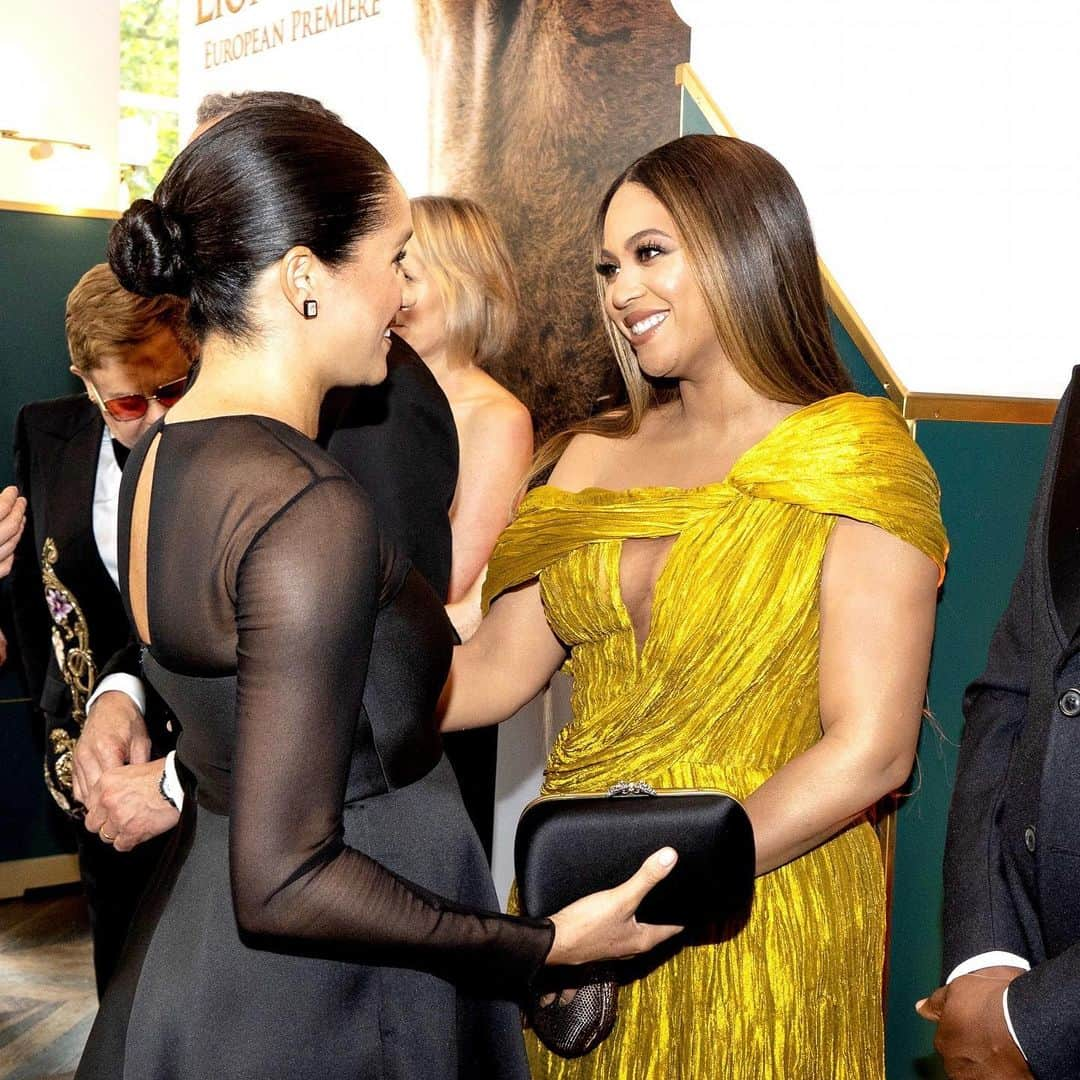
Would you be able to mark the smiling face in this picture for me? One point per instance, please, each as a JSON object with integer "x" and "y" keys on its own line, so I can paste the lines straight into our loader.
{"x": 359, "y": 300}
{"x": 422, "y": 319}
{"x": 650, "y": 294}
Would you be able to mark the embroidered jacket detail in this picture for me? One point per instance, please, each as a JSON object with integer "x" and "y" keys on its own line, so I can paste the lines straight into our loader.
{"x": 71, "y": 644}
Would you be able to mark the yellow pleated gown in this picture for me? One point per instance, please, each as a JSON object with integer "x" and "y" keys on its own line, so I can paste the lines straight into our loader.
{"x": 723, "y": 693}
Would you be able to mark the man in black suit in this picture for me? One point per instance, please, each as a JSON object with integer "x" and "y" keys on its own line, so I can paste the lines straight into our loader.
{"x": 399, "y": 443}
{"x": 1011, "y": 1004}
{"x": 133, "y": 356}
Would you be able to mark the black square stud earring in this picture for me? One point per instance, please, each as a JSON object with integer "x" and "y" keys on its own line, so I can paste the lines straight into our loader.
{"x": 311, "y": 309}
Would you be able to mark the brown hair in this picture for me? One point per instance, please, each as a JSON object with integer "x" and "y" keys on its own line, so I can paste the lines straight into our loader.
{"x": 101, "y": 316}
{"x": 751, "y": 250}
{"x": 466, "y": 254}
{"x": 218, "y": 106}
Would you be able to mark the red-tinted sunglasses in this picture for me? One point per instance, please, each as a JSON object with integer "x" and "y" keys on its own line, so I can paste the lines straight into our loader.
{"x": 134, "y": 406}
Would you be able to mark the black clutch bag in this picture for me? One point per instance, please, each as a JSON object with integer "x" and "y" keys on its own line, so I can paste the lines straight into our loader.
{"x": 568, "y": 846}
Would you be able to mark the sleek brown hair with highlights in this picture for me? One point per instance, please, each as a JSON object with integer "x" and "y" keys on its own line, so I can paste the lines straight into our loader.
{"x": 102, "y": 316}
{"x": 466, "y": 254}
{"x": 750, "y": 247}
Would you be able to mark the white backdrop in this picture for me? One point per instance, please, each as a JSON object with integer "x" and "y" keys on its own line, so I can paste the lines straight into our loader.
{"x": 360, "y": 58}
{"x": 934, "y": 143}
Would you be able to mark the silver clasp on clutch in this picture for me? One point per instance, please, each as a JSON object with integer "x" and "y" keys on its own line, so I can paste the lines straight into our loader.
{"x": 630, "y": 787}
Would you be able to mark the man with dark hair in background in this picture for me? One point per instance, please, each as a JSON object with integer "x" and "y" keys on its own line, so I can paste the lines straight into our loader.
{"x": 133, "y": 356}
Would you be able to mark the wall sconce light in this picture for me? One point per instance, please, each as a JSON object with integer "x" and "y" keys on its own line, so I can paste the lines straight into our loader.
{"x": 40, "y": 148}
{"x": 65, "y": 174}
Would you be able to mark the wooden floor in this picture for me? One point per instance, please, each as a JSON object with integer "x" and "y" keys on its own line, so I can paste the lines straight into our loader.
{"x": 47, "y": 997}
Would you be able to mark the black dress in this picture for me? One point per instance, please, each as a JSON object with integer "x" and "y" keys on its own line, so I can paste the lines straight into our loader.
{"x": 399, "y": 443}
{"x": 291, "y": 932}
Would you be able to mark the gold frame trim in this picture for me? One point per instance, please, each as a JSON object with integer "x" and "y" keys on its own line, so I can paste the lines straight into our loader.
{"x": 985, "y": 410}
{"x": 979, "y": 408}
{"x": 19, "y": 875}
{"x": 59, "y": 211}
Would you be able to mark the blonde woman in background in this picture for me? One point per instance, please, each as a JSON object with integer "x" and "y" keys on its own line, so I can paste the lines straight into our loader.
{"x": 459, "y": 312}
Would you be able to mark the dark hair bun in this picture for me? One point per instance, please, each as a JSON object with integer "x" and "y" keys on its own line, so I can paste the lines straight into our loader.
{"x": 146, "y": 251}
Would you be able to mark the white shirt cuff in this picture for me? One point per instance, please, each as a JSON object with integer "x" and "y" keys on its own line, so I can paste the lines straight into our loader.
{"x": 1008, "y": 1021}
{"x": 126, "y": 684}
{"x": 175, "y": 792}
{"x": 996, "y": 958}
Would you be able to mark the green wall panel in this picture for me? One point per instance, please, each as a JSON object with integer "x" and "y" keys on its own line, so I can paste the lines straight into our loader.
{"x": 988, "y": 475}
{"x": 693, "y": 119}
{"x": 41, "y": 258}
{"x": 866, "y": 382}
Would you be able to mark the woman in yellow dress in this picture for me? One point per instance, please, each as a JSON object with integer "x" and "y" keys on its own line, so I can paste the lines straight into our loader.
{"x": 743, "y": 567}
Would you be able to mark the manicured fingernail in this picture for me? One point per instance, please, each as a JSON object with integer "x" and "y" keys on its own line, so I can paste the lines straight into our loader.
{"x": 919, "y": 1004}
{"x": 667, "y": 856}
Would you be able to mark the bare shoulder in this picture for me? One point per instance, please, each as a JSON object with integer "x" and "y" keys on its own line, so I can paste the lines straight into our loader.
{"x": 476, "y": 395}
{"x": 594, "y": 459}
{"x": 487, "y": 414}
{"x": 585, "y": 458}
{"x": 859, "y": 551}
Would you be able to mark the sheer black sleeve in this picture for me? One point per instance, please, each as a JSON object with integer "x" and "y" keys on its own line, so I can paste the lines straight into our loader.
{"x": 306, "y": 595}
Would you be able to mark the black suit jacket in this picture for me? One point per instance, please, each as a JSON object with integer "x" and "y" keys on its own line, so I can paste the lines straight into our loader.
{"x": 57, "y": 444}
{"x": 1012, "y": 858}
{"x": 399, "y": 442}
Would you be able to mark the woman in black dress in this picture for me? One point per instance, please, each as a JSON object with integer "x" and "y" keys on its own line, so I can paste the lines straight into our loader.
{"x": 325, "y": 910}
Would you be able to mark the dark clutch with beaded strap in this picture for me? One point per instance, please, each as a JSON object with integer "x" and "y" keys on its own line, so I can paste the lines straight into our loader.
{"x": 568, "y": 846}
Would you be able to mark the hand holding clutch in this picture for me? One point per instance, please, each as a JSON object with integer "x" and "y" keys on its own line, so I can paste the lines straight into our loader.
{"x": 567, "y": 845}
{"x": 603, "y": 926}
{"x": 600, "y": 926}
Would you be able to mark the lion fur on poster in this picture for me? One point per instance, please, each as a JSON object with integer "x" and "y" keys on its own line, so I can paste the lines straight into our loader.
{"x": 536, "y": 106}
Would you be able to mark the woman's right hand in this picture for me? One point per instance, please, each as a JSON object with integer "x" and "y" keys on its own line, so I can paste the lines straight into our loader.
{"x": 602, "y": 926}
{"x": 12, "y": 520}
